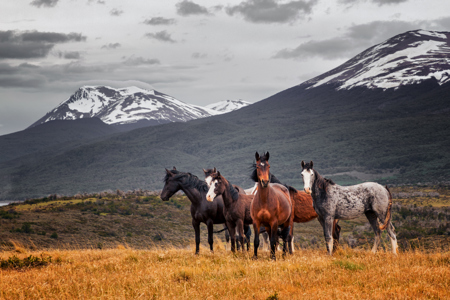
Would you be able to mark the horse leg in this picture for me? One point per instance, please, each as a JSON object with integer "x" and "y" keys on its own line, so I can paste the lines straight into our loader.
{"x": 373, "y": 220}
{"x": 256, "y": 227}
{"x": 232, "y": 229}
{"x": 287, "y": 238}
{"x": 390, "y": 230}
{"x": 336, "y": 234}
{"x": 196, "y": 226}
{"x": 240, "y": 229}
{"x": 210, "y": 226}
{"x": 248, "y": 234}
{"x": 327, "y": 230}
{"x": 273, "y": 239}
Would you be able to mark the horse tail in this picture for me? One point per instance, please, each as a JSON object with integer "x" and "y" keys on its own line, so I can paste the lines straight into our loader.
{"x": 388, "y": 213}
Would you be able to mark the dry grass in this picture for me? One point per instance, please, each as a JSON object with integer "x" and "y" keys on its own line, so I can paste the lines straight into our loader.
{"x": 170, "y": 273}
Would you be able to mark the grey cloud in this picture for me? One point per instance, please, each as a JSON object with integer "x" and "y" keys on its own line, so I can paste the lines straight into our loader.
{"x": 159, "y": 21}
{"x": 187, "y": 8}
{"x": 45, "y": 3}
{"x": 162, "y": 36}
{"x": 379, "y": 2}
{"x": 198, "y": 55}
{"x": 271, "y": 11}
{"x": 115, "y": 12}
{"x": 51, "y": 37}
{"x": 70, "y": 54}
{"x": 111, "y": 46}
{"x": 32, "y": 44}
{"x": 357, "y": 38}
{"x": 137, "y": 61}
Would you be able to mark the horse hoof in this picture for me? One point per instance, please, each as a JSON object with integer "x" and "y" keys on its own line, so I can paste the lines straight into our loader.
{"x": 255, "y": 257}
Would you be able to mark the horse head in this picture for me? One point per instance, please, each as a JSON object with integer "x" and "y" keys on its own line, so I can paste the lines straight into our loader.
{"x": 171, "y": 185}
{"x": 263, "y": 169}
{"x": 208, "y": 177}
{"x": 216, "y": 187}
{"x": 308, "y": 176}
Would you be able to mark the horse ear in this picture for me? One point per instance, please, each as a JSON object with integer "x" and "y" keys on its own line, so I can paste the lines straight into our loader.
{"x": 174, "y": 168}
{"x": 204, "y": 171}
{"x": 311, "y": 164}
{"x": 303, "y": 164}
{"x": 218, "y": 174}
{"x": 257, "y": 156}
{"x": 168, "y": 172}
{"x": 214, "y": 170}
{"x": 267, "y": 156}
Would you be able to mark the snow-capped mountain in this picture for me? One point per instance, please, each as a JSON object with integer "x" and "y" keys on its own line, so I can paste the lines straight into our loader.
{"x": 405, "y": 59}
{"x": 227, "y": 105}
{"x": 125, "y": 106}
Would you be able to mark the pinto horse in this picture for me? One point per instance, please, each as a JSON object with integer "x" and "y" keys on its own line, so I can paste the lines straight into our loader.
{"x": 271, "y": 207}
{"x": 202, "y": 211}
{"x": 236, "y": 207}
{"x": 209, "y": 173}
{"x": 333, "y": 202}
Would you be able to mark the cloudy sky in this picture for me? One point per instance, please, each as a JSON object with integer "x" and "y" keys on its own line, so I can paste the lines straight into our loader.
{"x": 198, "y": 51}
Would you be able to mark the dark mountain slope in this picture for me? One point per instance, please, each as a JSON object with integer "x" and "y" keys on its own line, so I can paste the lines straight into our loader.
{"x": 331, "y": 129}
{"x": 50, "y": 135}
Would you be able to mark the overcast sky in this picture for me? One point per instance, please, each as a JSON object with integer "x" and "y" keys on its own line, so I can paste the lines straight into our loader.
{"x": 198, "y": 51}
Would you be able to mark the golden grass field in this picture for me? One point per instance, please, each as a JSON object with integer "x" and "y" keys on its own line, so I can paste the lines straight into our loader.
{"x": 170, "y": 273}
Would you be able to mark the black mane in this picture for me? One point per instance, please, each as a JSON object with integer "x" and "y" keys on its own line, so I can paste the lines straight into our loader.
{"x": 254, "y": 175}
{"x": 187, "y": 179}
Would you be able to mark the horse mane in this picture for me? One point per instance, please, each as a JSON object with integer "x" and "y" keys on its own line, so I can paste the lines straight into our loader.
{"x": 321, "y": 181}
{"x": 188, "y": 179}
{"x": 233, "y": 191}
{"x": 254, "y": 175}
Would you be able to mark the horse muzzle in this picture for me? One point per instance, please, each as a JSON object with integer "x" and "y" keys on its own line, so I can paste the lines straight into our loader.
{"x": 308, "y": 191}
{"x": 264, "y": 183}
{"x": 209, "y": 198}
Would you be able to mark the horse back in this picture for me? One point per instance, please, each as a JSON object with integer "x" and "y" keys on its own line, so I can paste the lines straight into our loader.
{"x": 302, "y": 206}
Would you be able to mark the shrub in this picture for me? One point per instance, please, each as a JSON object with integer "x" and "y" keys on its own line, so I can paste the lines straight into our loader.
{"x": 54, "y": 235}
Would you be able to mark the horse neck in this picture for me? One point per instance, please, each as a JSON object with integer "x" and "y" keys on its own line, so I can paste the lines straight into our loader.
{"x": 226, "y": 195}
{"x": 316, "y": 191}
{"x": 193, "y": 194}
{"x": 263, "y": 193}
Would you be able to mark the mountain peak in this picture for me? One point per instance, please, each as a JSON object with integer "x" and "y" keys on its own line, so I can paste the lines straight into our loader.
{"x": 405, "y": 59}
{"x": 226, "y": 106}
{"x": 124, "y": 106}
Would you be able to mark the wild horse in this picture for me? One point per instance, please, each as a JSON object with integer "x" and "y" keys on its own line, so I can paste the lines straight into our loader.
{"x": 247, "y": 231}
{"x": 202, "y": 211}
{"x": 271, "y": 207}
{"x": 236, "y": 207}
{"x": 334, "y": 202}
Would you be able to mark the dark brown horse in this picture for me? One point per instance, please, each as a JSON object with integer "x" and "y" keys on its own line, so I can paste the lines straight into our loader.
{"x": 202, "y": 211}
{"x": 247, "y": 231}
{"x": 236, "y": 207}
{"x": 271, "y": 207}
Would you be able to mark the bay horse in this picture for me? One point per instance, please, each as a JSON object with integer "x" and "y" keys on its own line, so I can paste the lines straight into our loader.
{"x": 271, "y": 207}
{"x": 333, "y": 202}
{"x": 302, "y": 205}
{"x": 202, "y": 211}
{"x": 208, "y": 179}
{"x": 236, "y": 207}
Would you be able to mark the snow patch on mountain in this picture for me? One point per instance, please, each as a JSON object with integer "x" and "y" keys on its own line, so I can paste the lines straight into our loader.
{"x": 125, "y": 106}
{"x": 227, "y": 105}
{"x": 408, "y": 58}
